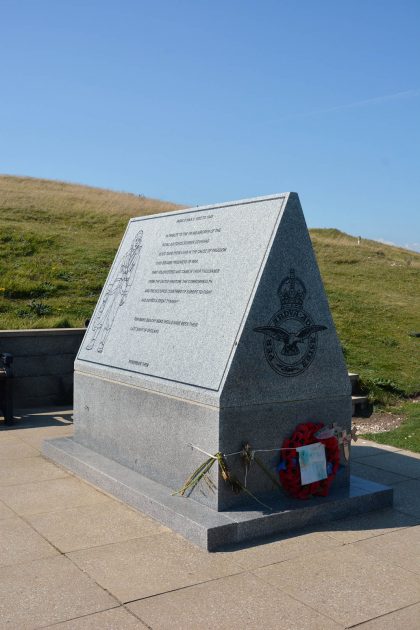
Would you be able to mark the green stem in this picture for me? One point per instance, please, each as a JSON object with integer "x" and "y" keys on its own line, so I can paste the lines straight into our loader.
{"x": 196, "y": 476}
{"x": 205, "y": 467}
{"x": 267, "y": 472}
{"x": 254, "y": 497}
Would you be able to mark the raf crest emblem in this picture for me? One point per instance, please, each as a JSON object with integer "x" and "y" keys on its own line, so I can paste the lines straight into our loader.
{"x": 290, "y": 337}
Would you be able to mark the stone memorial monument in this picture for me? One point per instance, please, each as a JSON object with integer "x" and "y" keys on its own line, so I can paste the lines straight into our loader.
{"x": 213, "y": 335}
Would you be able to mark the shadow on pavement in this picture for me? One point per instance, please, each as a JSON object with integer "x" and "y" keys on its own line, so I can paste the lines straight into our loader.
{"x": 36, "y": 418}
{"x": 390, "y": 466}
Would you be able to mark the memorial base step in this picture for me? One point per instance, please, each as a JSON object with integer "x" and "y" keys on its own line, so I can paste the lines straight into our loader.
{"x": 361, "y": 407}
{"x": 198, "y": 523}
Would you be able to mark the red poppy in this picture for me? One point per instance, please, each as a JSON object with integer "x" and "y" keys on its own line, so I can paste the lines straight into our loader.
{"x": 289, "y": 472}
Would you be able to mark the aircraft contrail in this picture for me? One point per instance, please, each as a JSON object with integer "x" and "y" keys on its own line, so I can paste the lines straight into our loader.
{"x": 369, "y": 101}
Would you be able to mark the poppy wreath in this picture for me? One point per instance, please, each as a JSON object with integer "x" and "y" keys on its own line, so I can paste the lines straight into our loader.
{"x": 289, "y": 470}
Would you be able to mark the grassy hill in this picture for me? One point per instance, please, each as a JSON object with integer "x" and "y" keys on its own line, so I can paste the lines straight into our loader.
{"x": 374, "y": 294}
{"x": 57, "y": 241}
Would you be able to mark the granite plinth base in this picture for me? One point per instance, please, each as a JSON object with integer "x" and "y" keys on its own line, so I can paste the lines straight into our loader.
{"x": 198, "y": 523}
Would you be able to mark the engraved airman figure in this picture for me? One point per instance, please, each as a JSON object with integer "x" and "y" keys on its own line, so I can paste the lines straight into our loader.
{"x": 115, "y": 295}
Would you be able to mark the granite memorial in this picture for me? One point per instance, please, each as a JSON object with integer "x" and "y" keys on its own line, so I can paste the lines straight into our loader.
{"x": 212, "y": 331}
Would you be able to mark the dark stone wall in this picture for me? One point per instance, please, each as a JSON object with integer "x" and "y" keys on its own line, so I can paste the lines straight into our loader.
{"x": 43, "y": 364}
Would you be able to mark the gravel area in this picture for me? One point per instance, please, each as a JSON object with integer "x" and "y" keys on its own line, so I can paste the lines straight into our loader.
{"x": 378, "y": 422}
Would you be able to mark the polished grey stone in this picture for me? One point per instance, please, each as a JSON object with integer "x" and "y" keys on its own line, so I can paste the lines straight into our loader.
{"x": 153, "y": 440}
{"x": 212, "y": 385}
{"x": 209, "y": 528}
{"x": 265, "y": 239}
{"x": 184, "y": 281}
{"x": 213, "y": 329}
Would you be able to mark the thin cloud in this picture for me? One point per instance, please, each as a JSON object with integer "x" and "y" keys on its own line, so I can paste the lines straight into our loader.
{"x": 414, "y": 247}
{"x": 382, "y": 240}
{"x": 364, "y": 103}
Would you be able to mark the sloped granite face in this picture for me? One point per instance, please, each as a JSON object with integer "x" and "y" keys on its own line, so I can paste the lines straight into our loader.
{"x": 175, "y": 298}
{"x": 214, "y": 329}
{"x": 212, "y": 334}
{"x": 272, "y": 363}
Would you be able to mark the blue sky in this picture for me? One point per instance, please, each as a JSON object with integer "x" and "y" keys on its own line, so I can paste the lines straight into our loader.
{"x": 202, "y": 101}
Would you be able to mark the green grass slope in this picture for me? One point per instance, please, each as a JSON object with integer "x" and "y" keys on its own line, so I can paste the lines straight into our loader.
{"x": 57, "y": 242}
{"x": 374, "y": 294}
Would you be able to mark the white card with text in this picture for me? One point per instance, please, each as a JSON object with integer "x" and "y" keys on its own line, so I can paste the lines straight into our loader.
{"x": 312, "y": 462}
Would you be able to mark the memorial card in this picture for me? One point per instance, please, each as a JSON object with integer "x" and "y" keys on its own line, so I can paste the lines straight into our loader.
{"x": 312, "y": 462}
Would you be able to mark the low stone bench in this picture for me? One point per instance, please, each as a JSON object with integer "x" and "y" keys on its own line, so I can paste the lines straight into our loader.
{"x": 6, "y": 386}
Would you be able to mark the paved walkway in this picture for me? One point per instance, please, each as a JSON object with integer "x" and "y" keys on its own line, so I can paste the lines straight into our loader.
{"x": 72, "y": 557}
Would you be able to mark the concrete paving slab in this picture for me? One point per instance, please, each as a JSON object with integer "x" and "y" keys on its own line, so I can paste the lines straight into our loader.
{"x": 410, "y": 454}
{"x": 49, "y": 496}
{"x": 405, "y": 618}
{"x": 30, "y": 424}
{"x": 372, "y": 580}
{"x": 368, "y": 471}
{"x": 15, "y": 449}
{"x": 395, "y": 462}
{"x": 28, "y": 469}
{"x": 34, "y": 426}
{"x": 240, "y": 601}
{"x": 36, "y": 437}
{"x": 114, "y": 619}
{"x": 5, "y": 434}
{"x": 402, "y": 548}
{"x": 93, "y": 525}
{"x": 41, "y": 416}
{"x": 151, "y": 565}
{"x": 364, "y": 448}
{"x": 407, "y": 497}
{"x": 43, "y": 592}
{"x": 278, "y": 549}
{"x": 369, "y": 525}
{"x": 5, "y": 512}
{"x": 20, "y": 543}
{"x": 345, "y": 583}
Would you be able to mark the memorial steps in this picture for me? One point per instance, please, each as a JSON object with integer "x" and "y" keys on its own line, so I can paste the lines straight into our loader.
{"x": 361, "y": 407}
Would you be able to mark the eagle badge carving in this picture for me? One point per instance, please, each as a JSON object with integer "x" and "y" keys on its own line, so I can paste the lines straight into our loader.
{"x": 290, "y": 337}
